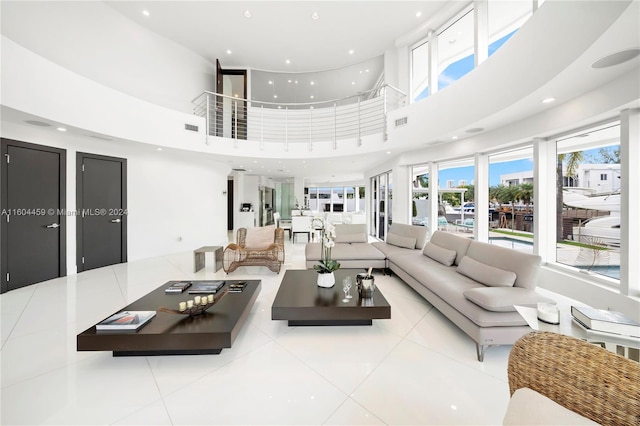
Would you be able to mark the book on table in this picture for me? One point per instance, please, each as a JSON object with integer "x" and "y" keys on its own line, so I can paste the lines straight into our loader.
{"x": 205, "y": 287}
{"x": 606, "y": 321}
{"x": 178, "y": 287}
{"x": 126, "y": 320}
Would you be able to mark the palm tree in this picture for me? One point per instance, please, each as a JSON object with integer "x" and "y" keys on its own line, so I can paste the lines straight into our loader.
{"x": 572, "y": 160}
{"x": 524, "y": 192}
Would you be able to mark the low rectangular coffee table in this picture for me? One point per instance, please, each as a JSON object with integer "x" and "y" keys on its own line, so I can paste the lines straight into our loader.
{"x": 301, "y": 302}
{"x": 176, "y": 334}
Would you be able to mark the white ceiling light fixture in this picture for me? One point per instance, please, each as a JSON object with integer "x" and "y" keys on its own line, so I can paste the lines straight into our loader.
{"x": 287, "y": 61}
{"x": 311, "y": 97}
{"x": 315, "y": 16}
{"x": 313, "y": 83}
{"x": 158, "y": 149}
{"x": 548, "y": 100}
{"x": 146, "y": 13}
{"x": 454, "y": 137}
{"x": 228, "y": 51}
{"x": 247, "y": 14}
{"x": 61, "y": 129}
{"x": 350, "y": 51}
{"x": 418, "y": 14}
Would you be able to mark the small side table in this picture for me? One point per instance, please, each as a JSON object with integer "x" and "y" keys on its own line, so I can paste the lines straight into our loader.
{"x": 625, "y": 345}
{"x": 199, "y": 257}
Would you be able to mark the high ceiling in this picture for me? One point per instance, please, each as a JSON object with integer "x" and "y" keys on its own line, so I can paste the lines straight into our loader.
{"x": 343, "y": 33}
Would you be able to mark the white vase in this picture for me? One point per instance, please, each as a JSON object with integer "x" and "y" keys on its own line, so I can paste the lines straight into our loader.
{"x": 326, "y": 280}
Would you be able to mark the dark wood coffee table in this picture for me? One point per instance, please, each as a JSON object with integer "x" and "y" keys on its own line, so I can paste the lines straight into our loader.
{"x": 300, "y": 301}
{"x": 174, "y": 334}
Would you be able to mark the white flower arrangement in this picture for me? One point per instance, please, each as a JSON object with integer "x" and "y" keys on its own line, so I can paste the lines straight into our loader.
{"x": 328, "y": 235}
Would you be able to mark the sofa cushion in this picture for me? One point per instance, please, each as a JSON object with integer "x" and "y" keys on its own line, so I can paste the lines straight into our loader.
{"x": 503, "y": 299}
{"x": 400, "y": 241}
{"x": 439, "y": 254}
{"x": 452, "y": 242}
{"x": 259, "y": 237}
{"x": 344, "y": 251}
{"x": 526, "y": 266}
{"x": 485, "y": 274}
{"x": 413, "y": 231}
{"x": 528, "y": 407}
{"x": 351, "y": 238}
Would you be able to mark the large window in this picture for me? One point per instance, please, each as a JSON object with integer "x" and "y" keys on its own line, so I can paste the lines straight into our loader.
{"x": 420, "y": 72}
{"x": 455, "y": 50}
{"x": 456, "y": 196}
{"x": 336, "y": 199}
{"x": 504, "y": 19}
{"x": 588, "y": 194}
{"x": 511, "y": 209}
{"x": 455, "y": 53}
{"x": 420, "y": 196}
{"x": 381, "y": 196}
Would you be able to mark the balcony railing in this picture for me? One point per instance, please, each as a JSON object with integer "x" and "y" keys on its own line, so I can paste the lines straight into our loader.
{"x": 327, "y": 121}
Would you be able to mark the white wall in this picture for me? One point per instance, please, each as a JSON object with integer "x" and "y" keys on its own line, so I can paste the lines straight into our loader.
{"x": 95, "y": 41}
{"x": 175, "y": 199}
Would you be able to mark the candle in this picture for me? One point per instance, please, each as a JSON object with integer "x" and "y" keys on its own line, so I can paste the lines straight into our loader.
{"x": 189, "y": 303}
{"x": 204, "y": 301}
{"x": 210, "y": 298}
{"x": 197, "y": 300}
{"x": 183, "y": 306}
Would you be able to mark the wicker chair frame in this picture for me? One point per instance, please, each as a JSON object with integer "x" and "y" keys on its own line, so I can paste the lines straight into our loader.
{"x": 580, "y": 376}
{"x": 271, "y": 256}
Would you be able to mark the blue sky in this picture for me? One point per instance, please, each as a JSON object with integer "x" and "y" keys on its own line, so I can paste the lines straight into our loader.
{"x": 495, "y": 171}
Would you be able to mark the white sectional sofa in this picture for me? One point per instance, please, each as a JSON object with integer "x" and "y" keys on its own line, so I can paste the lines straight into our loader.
{"x": 474, "y": 284}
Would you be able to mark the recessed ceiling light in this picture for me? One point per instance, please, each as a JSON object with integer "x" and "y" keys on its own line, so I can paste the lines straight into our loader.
{"x": 315, "y": 16}
{"x": 454, "y": 137}
{"x": 61, "y": 129}
{"x": 311, "y": 97}
{"x": 146, "y": 13}
{"x": 418, "y": 14}
{"x": 287, "y": 61}
{"x": 247, "y": 14}
{"x": 616, "y": 58}
{"x": 350, "y": 51}
{"x": 288, "y": 81}
{"x": 158, "y": 149}
{"x": 270, "y": 82}
{"x": 228, "y": 52}
{"x": 38, "y": 123}
{"x": 367, "y": 70}
{"x": 312, "y": 83}
{"x": 296, "y": 82}
{"x": 548, "y": 100}
{"x": 275, "y": 96}
{"x": 353, "y": 83}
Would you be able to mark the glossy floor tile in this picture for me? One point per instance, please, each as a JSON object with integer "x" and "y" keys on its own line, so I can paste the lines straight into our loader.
{"x": 416, "y": 368}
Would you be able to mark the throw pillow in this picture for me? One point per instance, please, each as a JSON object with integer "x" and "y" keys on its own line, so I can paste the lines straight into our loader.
{"x": 503, "y": 299}
{"x": 486, "y": 274}
{"x": 259, "y": 237}
{"x": 400, "y": 241}
{"x": 351, "y": 238}
{"x": 439, "y": 254}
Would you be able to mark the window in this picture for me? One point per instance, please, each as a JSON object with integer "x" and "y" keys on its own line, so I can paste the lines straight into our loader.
{"x": 420, "y": 196}
{"x": 456, "y": 201}
{"x": 603, "y": 176}
{"x": 455, "y": 50}
{"x": 420, "y": 72}
{"x": 588, "y": 224}
{"x": 381, "y": 190}
{"x": 504, "y": 20}
{"x": 511, "y": 209}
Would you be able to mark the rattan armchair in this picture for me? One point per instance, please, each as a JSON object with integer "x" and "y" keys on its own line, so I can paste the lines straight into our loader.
{"x": 580, "y": 376}
{"x": 238, "y": 254}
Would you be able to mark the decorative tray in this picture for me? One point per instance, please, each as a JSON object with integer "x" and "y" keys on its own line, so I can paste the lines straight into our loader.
{"x": 205, "y": 302}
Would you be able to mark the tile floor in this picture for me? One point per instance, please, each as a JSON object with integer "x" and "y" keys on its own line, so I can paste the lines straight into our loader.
{"x": 416, "y": 368}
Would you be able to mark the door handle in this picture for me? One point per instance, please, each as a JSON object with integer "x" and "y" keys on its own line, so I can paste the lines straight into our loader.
{"x": 53, "y": 226}
{"x": 116, "y": 220}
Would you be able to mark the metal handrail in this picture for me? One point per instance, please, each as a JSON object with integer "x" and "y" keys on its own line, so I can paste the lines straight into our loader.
{"x": 349, "y": 117}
